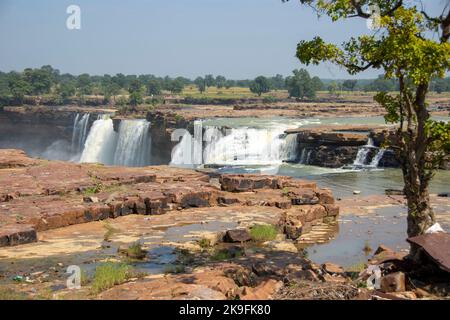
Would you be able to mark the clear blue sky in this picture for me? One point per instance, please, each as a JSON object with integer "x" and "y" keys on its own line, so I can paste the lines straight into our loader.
{"x": 234, "y": 38}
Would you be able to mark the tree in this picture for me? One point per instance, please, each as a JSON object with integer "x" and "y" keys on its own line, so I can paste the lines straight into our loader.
{"x": 154, "y": 87}
{"x": 209, "y": 80}
{"x": 66, "y": 90}
{"x": 333, "y": 88}
{"x": 441, "y": 85}
{"x": 404, "y": 46}
{"x": 278, "y": 82}
{"x": 136, "y": 92}
{"x": 220, "y": 81}
{"x": 177, "y": 86}
{"x": 260, "y": 85}
{"x": 201, "y": 84}
{"x": 300, "y": 85}
{"x": 40, "y": 80}
{"x": 349, "y": 85}
{"x": 18, "y": 86}
{"x": 84, "y": 84}
{"x": 317, "y": 84}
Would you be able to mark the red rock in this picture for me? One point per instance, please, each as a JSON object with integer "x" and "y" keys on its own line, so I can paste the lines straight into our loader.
{"x": 12, "y": 235}
{"x": 331, "y": 210}
{"x": 13, "y": 158}
{"x": 301, "y": 196}
{"x": 241, "y": 183}
{"x": 262, "y": 292}
{"x": 383, "y": 249}
{"x": 325, "y": 196}
{"x": 332, "y": 268}
{"x": 237, "y": 235}
{"x": 393, "y": 282}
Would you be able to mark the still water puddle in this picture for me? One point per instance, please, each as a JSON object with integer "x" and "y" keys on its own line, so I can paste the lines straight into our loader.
{"x": 385, "y": 226}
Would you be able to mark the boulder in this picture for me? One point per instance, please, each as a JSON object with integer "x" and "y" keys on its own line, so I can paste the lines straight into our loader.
{"x": 237, "y": 235}
{"x": 301, "y": 196}
{"x": 242, "y": 183}
{"x": 393, "y": 282}
{"x": 332, "y": 268}
{"x": 262, "y": 292}
{"x": 12, "y": 235}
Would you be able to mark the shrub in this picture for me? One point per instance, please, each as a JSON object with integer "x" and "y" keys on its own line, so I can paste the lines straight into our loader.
{"x": 263, "y": 232}
{"x": 135, "y": 251}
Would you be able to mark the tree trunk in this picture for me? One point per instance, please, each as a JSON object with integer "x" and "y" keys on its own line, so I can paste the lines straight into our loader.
{"x": 414, "y": 167}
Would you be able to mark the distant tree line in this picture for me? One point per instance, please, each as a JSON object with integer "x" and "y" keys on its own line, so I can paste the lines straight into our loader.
{"x": 64, "y": 86}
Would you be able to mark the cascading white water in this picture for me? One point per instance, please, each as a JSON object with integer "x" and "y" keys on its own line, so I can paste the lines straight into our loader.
{"x": 133, "y": 145}
{"x": 290, "y": 148}
{"x": 79, "y": 132}
{"x": 128, "y": 147}
{"x": 236, "y": 146}
{"x": 101, "y": 143}
{"x": 376, "y": 160}
{"x": 246, "y": 146}
{"x": 363, "y": 152}
{"x": 303, "y": 156}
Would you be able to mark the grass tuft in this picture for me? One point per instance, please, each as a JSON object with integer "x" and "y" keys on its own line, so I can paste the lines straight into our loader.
{"x": 204, "y": 243}
{"x": 227, "y": 254}
{"x": 110, "y": 274}
{"x": 263, "y": 232}
{"x": 110, "y": 231}
{"x": 135, "y": 251}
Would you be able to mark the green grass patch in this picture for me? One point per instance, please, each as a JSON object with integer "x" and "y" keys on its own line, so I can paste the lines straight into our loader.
{"x": 135, "y": 251}
{"x": 93, "y": 190}
{"x": 204, "y": 243}
{"x": 110, "y": 231}
{"x": 110, "y": 274}
{"x": 11, "y": 294}
{"x": 226, "y": 254}
{"x": 263, "y": 232}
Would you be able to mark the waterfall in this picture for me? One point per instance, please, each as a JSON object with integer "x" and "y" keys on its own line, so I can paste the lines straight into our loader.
{"x": 246, "y": 146}
{"x": 363, "y": 152}
{"x": 133, "y": 145}
{"x": 100, "y": 143}
{"x": 376, "y": 160}
{"x": 130, "y": 146}
{"x": 290, "y": 148}
{"x": 308, "y": 157}
{"x": 182, "y": 152}
{"x": 79, "y": 132}
{"x": 235, "y": 146}
{"x": 303, "y": 156}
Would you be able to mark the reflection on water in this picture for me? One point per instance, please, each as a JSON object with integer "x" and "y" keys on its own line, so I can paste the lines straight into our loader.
{"x": 344, "y": 181}
{"x": 386, "y": 226}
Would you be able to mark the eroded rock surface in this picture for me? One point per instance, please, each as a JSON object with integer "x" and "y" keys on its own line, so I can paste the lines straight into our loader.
{"x": 38, "y": 195}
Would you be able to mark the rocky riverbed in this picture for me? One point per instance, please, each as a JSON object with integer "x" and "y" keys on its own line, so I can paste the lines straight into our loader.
{"x": 197, "y": 233}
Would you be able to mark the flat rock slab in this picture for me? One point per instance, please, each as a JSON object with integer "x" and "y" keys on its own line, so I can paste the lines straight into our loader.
{"x": 52, "y": 194}
{"x": 437, "y": 246}
{"x": 13, "y": 158}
